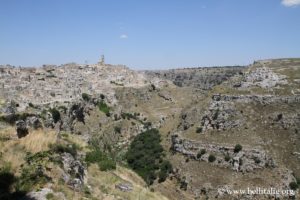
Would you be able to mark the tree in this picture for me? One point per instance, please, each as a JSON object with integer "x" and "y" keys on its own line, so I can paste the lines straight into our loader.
{"x": 85, "y": 96}
{"x": 145, "y": 157}
{"x": 55, "y": 114}
{"x": 211, "y": 158}
{"x": 237, "y": 148}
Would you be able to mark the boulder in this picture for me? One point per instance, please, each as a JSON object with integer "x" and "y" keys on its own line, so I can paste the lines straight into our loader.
{"x": 74, "y": 171}
{"x": 22, "y": 129}
{"x": 124, "y": 187}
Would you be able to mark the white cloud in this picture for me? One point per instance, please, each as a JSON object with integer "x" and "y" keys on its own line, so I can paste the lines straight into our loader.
{"x": 123, "y": 36}
{"x": 290, "y": 3}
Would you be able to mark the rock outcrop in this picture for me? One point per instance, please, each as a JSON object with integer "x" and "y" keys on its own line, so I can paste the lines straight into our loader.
{"x": 22, "y": 129}
{"x": 245, "y": 160}
{"x": 74, "y": 171}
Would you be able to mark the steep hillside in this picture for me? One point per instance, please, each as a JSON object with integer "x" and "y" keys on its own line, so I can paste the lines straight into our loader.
{"x": 66, "y": 131}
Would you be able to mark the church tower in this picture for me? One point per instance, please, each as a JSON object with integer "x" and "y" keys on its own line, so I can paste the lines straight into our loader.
{"x": 101, "y": 61}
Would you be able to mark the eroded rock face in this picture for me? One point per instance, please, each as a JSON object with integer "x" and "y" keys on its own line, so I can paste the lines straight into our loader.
{"x": 262, "y": 99}
{"x": 34, "y": 122}
{"x": 221, "y": 115}
{"x": 74, "y": 171}
{"x": 124, "y": 187}
{"x": 204, "y": 78}
{"x": 22, "y": 129}
{"x": 263, "y": 77}
{"x": 245, "y": 160}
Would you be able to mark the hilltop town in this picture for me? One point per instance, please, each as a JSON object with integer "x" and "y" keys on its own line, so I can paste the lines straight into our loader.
{"x": 65, "y": 83}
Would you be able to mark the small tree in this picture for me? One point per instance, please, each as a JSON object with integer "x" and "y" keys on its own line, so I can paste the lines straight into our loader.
{"x": 55, "y": 114}
{"x": 293, "y": 185}
{"x": 201, "y": 153}
{"x": 211, "y": 158}
{"x": 102, "y": 96}
{"x": 85, "y": 96}
{"x": 227, "y": 157}
{"x": 117, "y": 129}
{"x": 199, "y": 130}
{"x": 237, "y": 148}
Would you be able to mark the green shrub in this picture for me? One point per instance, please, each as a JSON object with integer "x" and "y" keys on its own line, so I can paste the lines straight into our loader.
{"x": 211, "y": 158}
{"x": 31, "y": 105}
{"x": 104, "y": 162}
{"x": 102, "y": 96}
{"x": 64, "y": 108}
{"x": 216, "y": 114}
{"x": 199, "y": 130}
{"x": 62, "y": 148}
{"x": 203, "y": 151}
{"x": 31, "y": 176}
{"x": 147, "y": 125}
{"x": 103, "y": 107}
{"x": 257, "y": 160}
{"x": 85, "y": 97}
{"x": 145, "y": 157}
{"x": 162, "y": 176}
{"x": 227, "y": 158}
{"x": 55, "y": 114}
{"x": 117, "y": 129}
{"x": 199, "y": 155}
{"x": 293, "y": 185}
{"x": 298, "y": 180}
{"x": 237, "y": 148}
{"x": 50, "y": 196}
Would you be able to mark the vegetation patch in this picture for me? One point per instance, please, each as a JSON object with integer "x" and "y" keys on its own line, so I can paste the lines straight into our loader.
{"x": 104, "y": 161}
{"x": 103, "y": 107}
{"x": 63, "y": 148}
{"x": 145, "y": 157}
{"x": 237, "y": 148}
{"x": 55, "y": 114}
{"x": 211, "y": 158}
{"x": 86, "y": 97}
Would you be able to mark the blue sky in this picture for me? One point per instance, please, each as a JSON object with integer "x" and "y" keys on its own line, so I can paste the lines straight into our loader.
{"x": 151, "y": 34}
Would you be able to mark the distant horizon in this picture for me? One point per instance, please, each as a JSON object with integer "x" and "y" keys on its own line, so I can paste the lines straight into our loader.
{"x": 148, "y": 35}
{"x": 153, "y": 69}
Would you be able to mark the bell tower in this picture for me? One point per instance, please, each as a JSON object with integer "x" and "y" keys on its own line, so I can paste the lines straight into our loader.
{"x": 102, "y": 60}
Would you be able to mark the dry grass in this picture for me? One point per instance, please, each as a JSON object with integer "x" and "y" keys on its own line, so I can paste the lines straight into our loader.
{"x": 103, "y": 184}
{"x": 38, "y": 140}
{"x": 13, "y": 150}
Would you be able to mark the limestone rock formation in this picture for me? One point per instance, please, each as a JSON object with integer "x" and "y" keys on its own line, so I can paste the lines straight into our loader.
{"x": 22, "y": 129}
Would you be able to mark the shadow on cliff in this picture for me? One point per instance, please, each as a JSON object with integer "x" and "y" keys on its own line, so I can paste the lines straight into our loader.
{"x": 7, "y": 181}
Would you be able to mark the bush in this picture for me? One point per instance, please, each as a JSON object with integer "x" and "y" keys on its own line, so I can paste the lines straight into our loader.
{"x": 61, "y": 148}
{"x": 117, "y": 129}
{"x": 227, "y": 158}
{"x": 257, "y": 160}
{"x": 237, "y": 148}
{"x": 55, "y": 114}
{"x": 85, "y": 96}
{"x": 103, "y": 107}
{"x": 199, "y": 130}
{"x": 63, "y": 108}
{"x": 162, "y": 176}
{"x": 104, "y": 162}
{"x": 50, "y": 196}
{"x": 102, "y": 96}
{"x": 145, "y": 157}
{"x": 31, "y": 105}
{"x": 293, "y": 185}
{"x": 211, "y": 158}
{"x": 201, "y": 153}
